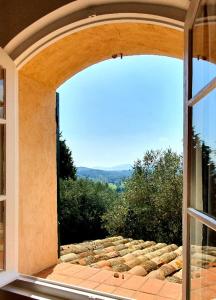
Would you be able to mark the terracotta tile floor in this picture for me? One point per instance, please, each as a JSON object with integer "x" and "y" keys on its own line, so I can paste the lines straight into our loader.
{"x": 127, "y": 285}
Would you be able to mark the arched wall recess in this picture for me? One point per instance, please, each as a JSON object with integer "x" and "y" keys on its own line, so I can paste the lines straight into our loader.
{"x": 71, "y": 54}
{"x": 46, "y": 55}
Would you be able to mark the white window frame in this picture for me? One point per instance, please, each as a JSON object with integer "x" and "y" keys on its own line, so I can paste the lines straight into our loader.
{"x": 190, "y": 101}
{"x": 38, "y": 288}
{"x": 11, "y": 150}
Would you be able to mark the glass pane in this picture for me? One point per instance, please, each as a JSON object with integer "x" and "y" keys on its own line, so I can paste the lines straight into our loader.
{"x": 203, "y": 262}
{"x": 2, "y": 93}
{"x": 203, "y": 157}
{"x": 204, "y": 45}
{"x": 2, "y": 235}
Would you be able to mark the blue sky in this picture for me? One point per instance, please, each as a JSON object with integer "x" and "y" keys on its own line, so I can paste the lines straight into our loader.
{"x": 112, "y": 112}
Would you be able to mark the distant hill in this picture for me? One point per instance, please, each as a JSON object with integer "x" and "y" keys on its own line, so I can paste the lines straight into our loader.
{"x": 113, "y": 176}
{"x": 122, "y": 167}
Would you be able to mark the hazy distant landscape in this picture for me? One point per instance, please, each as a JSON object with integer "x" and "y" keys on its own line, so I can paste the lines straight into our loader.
{"x": 113, "y": 175}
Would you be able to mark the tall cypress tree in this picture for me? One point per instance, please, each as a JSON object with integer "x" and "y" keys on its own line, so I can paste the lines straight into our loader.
{"x": 67, "y": 169}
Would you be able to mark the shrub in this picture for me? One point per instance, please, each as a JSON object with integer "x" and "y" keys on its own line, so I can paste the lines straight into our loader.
{"x": 82, "y": 204}
{"x": 151, "y": 206}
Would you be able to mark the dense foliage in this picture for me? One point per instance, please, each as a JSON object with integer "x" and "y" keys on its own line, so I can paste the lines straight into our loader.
{"x": 82, "y": 204}
{"x": 67, "y": 170}
{"x": 148, "y": 206}
{"x": 151, "y": 206}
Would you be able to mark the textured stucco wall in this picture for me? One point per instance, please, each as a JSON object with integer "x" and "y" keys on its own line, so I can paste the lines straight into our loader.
{"x": 71, "y": 54}
{"x": 205, "y": 41}
{"x": 37, "y": 206}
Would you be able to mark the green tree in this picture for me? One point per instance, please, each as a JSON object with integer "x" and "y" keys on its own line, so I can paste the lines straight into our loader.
{"x": 168, "y": 178}
{"x": 67, "y": 169}
{"x": 83, "y": 202}
{"x": 151, "y": 207}
{"x": 114, "y": 219}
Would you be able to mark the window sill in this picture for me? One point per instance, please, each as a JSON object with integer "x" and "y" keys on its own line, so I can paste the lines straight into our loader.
{"x": 36, "y": 288}
{"x": 7, "y": 277}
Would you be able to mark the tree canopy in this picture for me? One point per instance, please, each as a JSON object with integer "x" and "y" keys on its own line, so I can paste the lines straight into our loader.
{"x": 82, "y": 204}
{"x": 67, "y": 169}
{"x": 151, "y": 206}
{"x": 148, "y": 207}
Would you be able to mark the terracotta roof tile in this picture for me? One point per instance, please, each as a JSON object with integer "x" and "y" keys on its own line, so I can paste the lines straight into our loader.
{"x": 137, "y": 257}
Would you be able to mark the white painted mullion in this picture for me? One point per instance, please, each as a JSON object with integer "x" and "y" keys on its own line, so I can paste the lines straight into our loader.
{"x": 2, "y": 121}
{"x": 7, "y": 277}
{"x": 11, "y": 151}
{"x": 2, "y": 198}
{"x": 11, "y": 168}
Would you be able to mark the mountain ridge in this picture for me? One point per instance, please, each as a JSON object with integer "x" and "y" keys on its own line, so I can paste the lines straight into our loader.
{"x": 108, "y": 176}
{"x": 122, "y": 167}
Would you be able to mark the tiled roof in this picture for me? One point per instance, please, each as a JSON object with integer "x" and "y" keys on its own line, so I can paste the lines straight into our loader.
{"x": 135, "y": 269}
{"x": 124, "y": 255}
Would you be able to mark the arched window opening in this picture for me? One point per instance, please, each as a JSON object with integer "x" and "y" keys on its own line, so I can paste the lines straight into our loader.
{"x": 120, "y": 170}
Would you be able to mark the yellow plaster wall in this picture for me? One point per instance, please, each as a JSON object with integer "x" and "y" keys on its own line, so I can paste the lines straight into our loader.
{"x": 39, "y": 79}
{"x": 38, "y": 210}
{"x": 204, "y": 35}
{"x": 75, "y": 52}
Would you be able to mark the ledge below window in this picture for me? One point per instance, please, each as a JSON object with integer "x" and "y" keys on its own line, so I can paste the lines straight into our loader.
{"x": 27, "y": 287}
